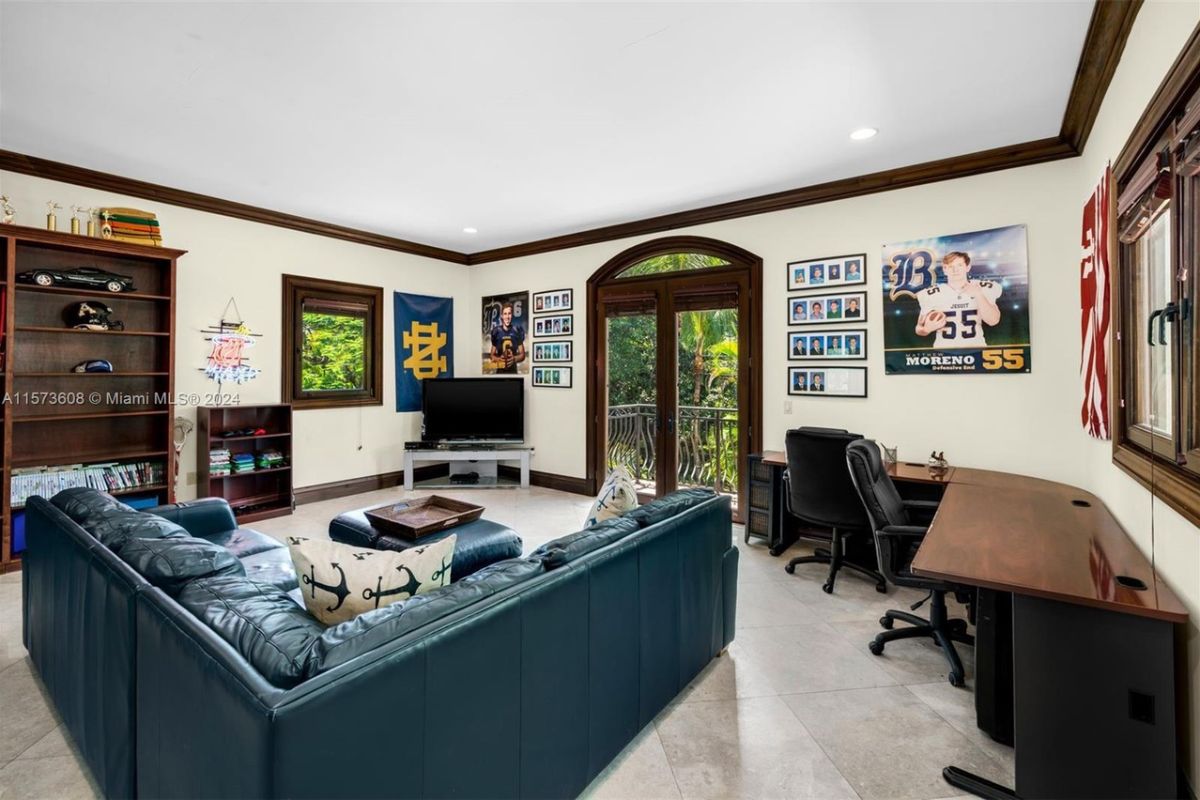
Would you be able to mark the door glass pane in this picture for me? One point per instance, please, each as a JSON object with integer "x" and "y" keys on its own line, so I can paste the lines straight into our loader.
{"x": 706, "y": 433}
{"x": 632, "y": 348}
{"x": 1152, "y": 264}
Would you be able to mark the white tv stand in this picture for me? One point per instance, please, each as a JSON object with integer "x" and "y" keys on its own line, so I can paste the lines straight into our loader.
{"x": 480, "y": 459}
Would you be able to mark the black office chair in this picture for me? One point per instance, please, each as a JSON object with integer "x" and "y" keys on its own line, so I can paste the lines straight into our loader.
{"x": 818, "y": 490}
{"x": 896, "y": 542}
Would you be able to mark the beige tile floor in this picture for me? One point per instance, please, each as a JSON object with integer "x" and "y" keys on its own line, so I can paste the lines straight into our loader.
{"x": 796, "y": 708}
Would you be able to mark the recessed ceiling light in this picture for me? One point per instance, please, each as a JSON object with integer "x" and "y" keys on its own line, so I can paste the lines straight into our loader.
{"x": 470, "y": 230}
{"x": 863, "y": 133}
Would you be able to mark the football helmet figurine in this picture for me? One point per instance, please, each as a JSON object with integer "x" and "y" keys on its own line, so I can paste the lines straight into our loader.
{"x": 91, "y": 315}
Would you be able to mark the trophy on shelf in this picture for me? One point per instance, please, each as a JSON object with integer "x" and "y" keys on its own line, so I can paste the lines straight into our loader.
{"x": 105, "y": 226}
{"x": 75, "y": 218}
{"x": 51, "y": 220}
{"x": 9, "y": 211}
{"x": 91, "y": 226}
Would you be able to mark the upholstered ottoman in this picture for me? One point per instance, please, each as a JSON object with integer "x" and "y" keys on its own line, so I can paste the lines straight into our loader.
{"x": 480, "y": 543}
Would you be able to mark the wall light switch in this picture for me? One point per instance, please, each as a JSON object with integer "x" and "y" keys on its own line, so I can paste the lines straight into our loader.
{"x": 787, "y": 406}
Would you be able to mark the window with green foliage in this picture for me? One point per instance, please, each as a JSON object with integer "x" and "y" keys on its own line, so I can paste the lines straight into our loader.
{"x": 332, "y": 334}
{"x": 673, "y": 262}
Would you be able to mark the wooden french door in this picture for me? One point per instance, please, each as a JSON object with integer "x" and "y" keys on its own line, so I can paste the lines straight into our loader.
{"x": 657, "y": 334}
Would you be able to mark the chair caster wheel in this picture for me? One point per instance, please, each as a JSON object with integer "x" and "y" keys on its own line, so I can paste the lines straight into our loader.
{"x": 790, "y": 569}
{"x": 881, "y": 588}
{"x": 958, "y": 625}
{"x": 886, "y": 622}
{"x": 827, "y": 588}
{"x": 957, "y": 680}
{"x": 876, "y": 648}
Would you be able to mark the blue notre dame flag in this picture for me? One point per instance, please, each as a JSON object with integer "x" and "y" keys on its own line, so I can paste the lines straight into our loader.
{"x": 424, "y": 344}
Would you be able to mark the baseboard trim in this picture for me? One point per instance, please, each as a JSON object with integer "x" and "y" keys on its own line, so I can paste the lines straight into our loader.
{"x": 368, "y": 483}
{"x": 386, "y": 480}
{"x": 549, "y": 480}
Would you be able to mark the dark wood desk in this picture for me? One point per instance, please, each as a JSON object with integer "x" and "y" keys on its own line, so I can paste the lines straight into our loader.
{"x": 1094, "y": 634}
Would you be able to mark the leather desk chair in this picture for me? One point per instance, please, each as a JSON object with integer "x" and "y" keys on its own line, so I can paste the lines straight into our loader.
{"x": 896, "y": 541}
{"x": 818, "y": 490}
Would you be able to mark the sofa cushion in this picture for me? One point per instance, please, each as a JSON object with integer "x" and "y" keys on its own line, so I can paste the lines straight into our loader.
{"x": 260, "y": 621}
{"x": 116, "y": 527}
{"x": 341, "y": 581}
{"x": 478, "y": 543}
{"x": 567, "y": 548}
{"x": 82, "y": 504}
{"x": 244, "y": 542}
{"x": 669, "y": 506}
{"x": 171, "y": 561}
{"x": 340, "y": 643}
{"x": 273, "y": 567}
{"x": 617, "y": 495}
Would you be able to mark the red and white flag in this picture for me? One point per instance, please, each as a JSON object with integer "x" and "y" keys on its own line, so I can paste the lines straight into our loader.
{"x": 1095, "y": 304}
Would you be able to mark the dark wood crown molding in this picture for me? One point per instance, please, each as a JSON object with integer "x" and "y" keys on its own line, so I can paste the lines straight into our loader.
{"x": 81, "y": 176}
{"x": 1111, "y": 22}
{"x": 1018, "y": 155}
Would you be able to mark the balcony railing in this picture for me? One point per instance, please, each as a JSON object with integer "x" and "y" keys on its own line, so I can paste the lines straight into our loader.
{"x": 706, "y": 439}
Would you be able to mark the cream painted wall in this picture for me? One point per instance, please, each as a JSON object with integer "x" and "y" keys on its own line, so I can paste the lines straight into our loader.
{"x": 228, "y": 257}
{"x": 1020, "y": 423}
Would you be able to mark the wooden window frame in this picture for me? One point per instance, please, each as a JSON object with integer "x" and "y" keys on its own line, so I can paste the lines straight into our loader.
{"x": 296, "y": 291}
{"x": 1173, "y": 108}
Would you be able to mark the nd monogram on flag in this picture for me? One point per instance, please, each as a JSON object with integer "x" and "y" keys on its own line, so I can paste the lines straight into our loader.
{"x": 424, "y": 344}
{"x": 1095, "y": 305}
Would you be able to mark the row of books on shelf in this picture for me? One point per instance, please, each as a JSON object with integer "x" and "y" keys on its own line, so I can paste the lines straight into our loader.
{"x": 111, "y": 477}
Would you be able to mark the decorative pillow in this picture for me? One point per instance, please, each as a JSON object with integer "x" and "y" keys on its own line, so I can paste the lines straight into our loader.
{"x": 617, "y": 495}
{"x": 341, "y": 581}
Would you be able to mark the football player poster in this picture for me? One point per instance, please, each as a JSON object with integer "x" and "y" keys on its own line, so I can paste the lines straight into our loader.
{"x": 957, "y": 303}
{"x": 505, "y": 334}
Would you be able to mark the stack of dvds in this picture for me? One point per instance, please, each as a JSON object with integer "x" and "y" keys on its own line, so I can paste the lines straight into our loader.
{"x": 269, "y": 459}
{"x": 133, "y": 225}
{"x": 218, "y": 462}
{"x": 111, "y": 477}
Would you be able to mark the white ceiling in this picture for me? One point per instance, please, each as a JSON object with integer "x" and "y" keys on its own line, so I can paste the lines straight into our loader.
{"x": 523, "y": 120}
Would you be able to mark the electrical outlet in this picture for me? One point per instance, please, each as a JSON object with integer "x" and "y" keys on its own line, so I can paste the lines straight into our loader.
{"x": 787, "y": 406}
{"x": 190, "y": 479}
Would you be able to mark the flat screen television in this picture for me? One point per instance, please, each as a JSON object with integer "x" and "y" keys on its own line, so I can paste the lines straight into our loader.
{"x": 473, "y": 409}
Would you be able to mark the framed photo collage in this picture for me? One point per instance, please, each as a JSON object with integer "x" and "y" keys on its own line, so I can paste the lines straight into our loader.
{"x": 831, "y": 325}
{"x": 552, "y": 355}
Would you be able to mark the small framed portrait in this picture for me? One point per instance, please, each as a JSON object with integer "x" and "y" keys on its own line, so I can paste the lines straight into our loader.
{"x": 847, "y": 344}
{"x": 828, "y": 381}
{"x": 560, "y": 325}
{"x": 557, "y": 300}
{"x": 552, "y": 377}
{"x": 827, "y": 272}
{"x": 552, "y": 351}
{"x": 797, "y": 346}
{"x": 819, "y": 308}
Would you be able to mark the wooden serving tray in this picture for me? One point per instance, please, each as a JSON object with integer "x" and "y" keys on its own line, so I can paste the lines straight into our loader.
{"x": 425, "y": 515}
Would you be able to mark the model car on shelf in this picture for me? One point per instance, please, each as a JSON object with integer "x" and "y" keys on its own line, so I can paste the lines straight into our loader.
{"x": 83, "y": 277}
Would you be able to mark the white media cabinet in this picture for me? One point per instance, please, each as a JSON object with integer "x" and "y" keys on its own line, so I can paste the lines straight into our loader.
{"x": 462, "y": 460}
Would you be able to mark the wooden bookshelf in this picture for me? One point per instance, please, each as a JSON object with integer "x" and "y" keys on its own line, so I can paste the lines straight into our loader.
{"x": 257, "y": 494}
{"x": 133, "y": 417}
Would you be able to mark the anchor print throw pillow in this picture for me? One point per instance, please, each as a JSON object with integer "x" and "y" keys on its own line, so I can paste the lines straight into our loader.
{"x": 340, "y": 581}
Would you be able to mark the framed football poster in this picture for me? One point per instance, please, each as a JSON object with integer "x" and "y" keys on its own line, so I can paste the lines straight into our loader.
{"x": 817, "y": 309}
{"x": 813, "y": 381}
{"x": 849, "y": 344}
{"x": 957, "y": 303}
{"x": 824, "y": 273}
